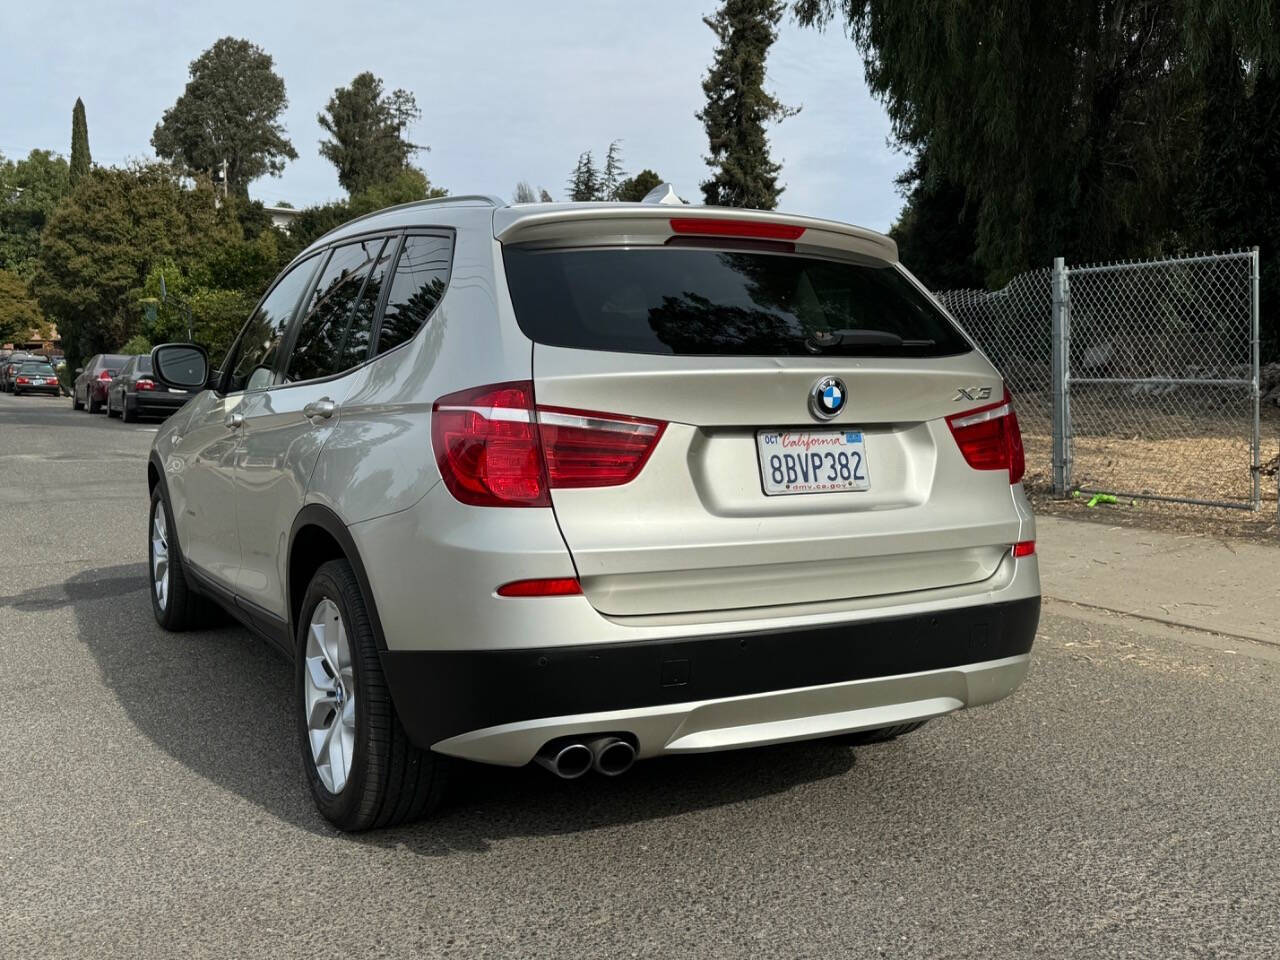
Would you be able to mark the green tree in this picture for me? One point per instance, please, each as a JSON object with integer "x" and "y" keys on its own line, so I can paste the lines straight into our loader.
{"x": 19, "y": 312}
{"x": 739, "y": 108}
{"x": 613, "y": 173}
{"x": 937, "y": 230}
{"x": 80, "y": 159}
{"x": 30, "y": 189}
{"x": 230, "y": 110}
{"x": 1072, "y": 127}
{"x": 584, "y": 185}
{"x": 102, "y": 240}
{"x": 367, "y": 127}
{"x": 544, "y": 195}
{"x": 408, "y": 185}
{"x": 634, "y": 189}
{"x": 523, "y": 193}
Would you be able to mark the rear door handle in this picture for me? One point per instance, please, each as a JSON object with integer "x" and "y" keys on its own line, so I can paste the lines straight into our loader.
{"x": 323, "y": 408}
{"x": 234, "y": 420}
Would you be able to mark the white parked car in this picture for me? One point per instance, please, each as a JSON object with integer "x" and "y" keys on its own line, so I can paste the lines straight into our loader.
{"x": 587, "y": 483}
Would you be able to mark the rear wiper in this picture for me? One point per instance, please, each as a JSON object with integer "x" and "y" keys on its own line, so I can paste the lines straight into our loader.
{"x": 822, "y": 340}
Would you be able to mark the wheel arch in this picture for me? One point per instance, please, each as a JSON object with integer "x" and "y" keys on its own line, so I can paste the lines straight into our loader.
{"x": 317, "y": 536}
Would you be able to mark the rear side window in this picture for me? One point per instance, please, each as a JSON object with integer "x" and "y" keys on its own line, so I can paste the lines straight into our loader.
{"x": 705, "y": 302}
{"x": 144, "y": 364}
{"x": 318, "y": 348}
{"x": 422, "y": 273}
{"x": 253, "y": 364}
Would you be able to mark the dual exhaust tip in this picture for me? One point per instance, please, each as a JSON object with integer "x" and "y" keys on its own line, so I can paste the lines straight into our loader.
{"x": 570, "y": 758}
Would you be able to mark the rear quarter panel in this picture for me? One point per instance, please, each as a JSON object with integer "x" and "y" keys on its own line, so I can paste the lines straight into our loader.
{"x": 379, "y": 459}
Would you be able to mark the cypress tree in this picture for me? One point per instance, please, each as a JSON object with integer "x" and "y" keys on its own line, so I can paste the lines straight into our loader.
{"x": 80, "y": 159}
{"x": 738, "y": 107}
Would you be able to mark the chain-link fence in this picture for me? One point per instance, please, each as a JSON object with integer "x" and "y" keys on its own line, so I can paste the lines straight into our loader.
{"x": 1136, "y": 378}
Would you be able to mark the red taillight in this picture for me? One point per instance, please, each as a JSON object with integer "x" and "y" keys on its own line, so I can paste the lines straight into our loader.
{"x": 755, "y": 229}
{"x": 595, "y": 450}
{"x": 990, "y": 439}
{"x": 1024, "y": 548}
{"x": 144, "y": 385}
{"x": 494, "y": 449}
{"x": 22, "y": 380}
{"x": 549, "y": 587}
{"x": 487, "y": 448}
{"x": 106, "y": 375}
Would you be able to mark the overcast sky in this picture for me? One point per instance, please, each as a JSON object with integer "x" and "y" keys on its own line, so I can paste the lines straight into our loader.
{"x": 508, "y": 90}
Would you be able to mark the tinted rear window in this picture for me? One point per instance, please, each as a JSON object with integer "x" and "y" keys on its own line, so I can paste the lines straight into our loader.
{"x": 35, "y": 368}
{"x": 702, "y": 302}
{"x": 143, "y": 365}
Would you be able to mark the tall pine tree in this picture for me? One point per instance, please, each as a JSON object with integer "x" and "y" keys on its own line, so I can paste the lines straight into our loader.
{"x": 738, "y": 107}
{"x": 584, "y": 185}
{"x": 80, "y": 159}
{"x": 613, "y": 172}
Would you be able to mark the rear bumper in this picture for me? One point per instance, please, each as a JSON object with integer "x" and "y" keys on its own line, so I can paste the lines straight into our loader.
{"x": 51, "y": 391}
{"x": 714, "y": 692}
{"x": 148, "y": 402}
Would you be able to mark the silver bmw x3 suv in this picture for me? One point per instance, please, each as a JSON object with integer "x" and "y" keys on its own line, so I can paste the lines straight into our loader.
{"x": 587, "y": 483}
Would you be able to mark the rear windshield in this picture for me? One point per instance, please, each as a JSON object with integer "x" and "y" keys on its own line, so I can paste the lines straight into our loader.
{"x": 35, "y": 368}
{"x": 701, "y": 302}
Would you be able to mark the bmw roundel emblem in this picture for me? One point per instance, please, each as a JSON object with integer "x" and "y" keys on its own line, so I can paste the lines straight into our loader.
{"x": 827, "y": 398}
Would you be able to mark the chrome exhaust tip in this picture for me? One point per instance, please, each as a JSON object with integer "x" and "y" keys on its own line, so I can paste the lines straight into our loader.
{"x": 611, "y": 756}
{"x": 566, "y": 759}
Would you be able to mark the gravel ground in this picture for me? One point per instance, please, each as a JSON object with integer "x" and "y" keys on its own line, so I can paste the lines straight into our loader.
{"x": 1124, "y": 803}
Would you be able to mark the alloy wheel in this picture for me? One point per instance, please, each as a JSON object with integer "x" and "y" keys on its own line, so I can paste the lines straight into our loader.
{"x": 160, "y": 557}
{"x": 329, "y": 698}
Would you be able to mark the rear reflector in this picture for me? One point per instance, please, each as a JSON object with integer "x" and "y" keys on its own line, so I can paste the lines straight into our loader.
{"x": 1024, "y": 549}
{"x": 989, "y": 438}
{"x": 760, "y": 229}
{"x": 495, "y": 449}
{"x": 550, "y": 587}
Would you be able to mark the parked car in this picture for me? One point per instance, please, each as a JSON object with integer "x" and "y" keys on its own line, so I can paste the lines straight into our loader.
{"x": 89, "y": 390}
{"x": 645, "y": 480}
{"x": 35, "y": 377}
{"x": 134, "y": 392}
{"x": 9, "y": 368}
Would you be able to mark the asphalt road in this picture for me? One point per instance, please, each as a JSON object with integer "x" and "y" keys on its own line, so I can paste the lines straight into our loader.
{"x": 1124, "y": 803}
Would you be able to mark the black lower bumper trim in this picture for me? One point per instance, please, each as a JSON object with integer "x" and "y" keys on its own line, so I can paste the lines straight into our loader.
{"x": 442, "y": 693}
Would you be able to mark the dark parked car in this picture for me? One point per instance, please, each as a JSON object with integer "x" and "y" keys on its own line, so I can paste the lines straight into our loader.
{"x": 9, "y": 367}
{"x": 35, "y": 376}
{"x": 134, "y": 393}
{"x": 92, "y": 380}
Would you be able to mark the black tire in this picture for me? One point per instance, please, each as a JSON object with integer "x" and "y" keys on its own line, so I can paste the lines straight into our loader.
{"x": 126, "y": 414}
{"x": 17, "y": 392}
{"x": 95, "y": 406}
{"x": 75, "y": 401}
{"x": 184, "y": 609}
{"x": 110, "y": 413}
{"x": 391, "y": 780}
{"x": 882, "y": 735}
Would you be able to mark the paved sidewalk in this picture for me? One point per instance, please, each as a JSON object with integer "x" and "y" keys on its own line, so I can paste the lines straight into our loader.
{"x": 1204, "y": 583}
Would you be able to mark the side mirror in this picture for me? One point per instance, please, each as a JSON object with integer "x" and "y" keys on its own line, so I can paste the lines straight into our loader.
{"x": 79, "y": 369}
{"x": 181, "y": 365}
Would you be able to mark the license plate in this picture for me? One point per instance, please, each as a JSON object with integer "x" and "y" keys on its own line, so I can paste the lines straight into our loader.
{"x": 812, "y": 461}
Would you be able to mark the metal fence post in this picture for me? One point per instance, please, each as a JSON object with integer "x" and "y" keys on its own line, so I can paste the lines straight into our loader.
{"x": 1257, "y": 385}
{"x": 1059, "y": 331}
